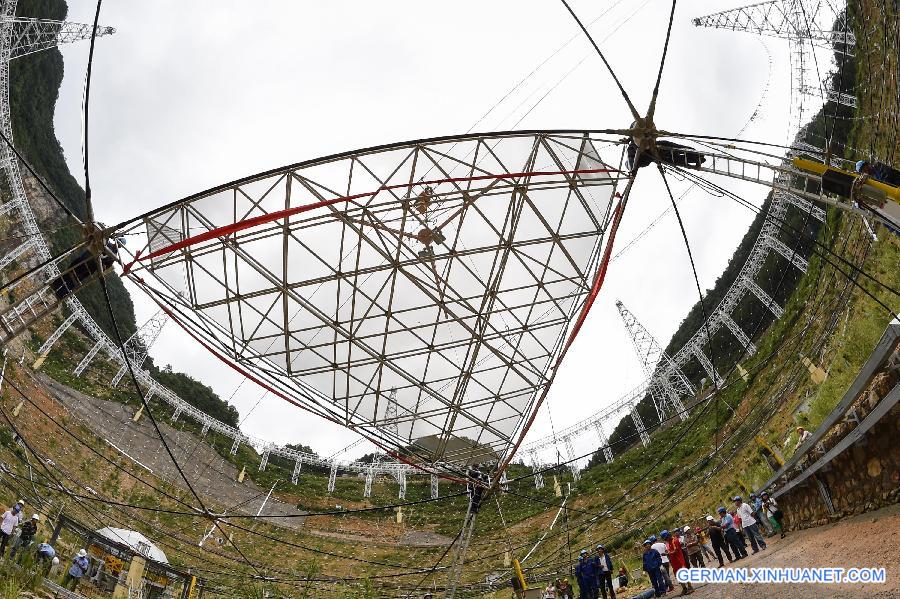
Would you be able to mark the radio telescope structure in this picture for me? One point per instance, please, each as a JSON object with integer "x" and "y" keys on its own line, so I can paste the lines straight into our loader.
{"x": 444, "y": 274}
{"x": 421, "y": 293}
{"x": 424, "y": 293}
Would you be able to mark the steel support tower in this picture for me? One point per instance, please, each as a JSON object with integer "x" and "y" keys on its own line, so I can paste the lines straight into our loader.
{"x": 604, "y": 441}
{"x": 20, "y": 36}
{"x": 390, "y": 414}
{"x": 28, "y": 35}
{"x": 138, "y": 345}
{"x": 804, "y": 24}
{"x": 668, "y": 384}
{"x": 793, "y": 20}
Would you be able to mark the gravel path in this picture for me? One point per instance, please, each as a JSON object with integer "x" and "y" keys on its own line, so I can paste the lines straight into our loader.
{"x": 211, "y": 475}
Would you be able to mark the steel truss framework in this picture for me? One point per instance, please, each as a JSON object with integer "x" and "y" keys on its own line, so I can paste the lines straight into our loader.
{"x": 802, "y": 23}
{"x": 667, "y": 389}
{"x": 786, "y": 19}
{"x": 242, "y": 310}
{"x": 28, "y": 36}
{"x": 595, "y": 425}
{"x": 780, "y": 178}
{"x": 138, "y": 345}
{"x": 805, "y": 24}
{"x": 14, "y": 43}
{"x": 790, "y": 188}
{"x": 447, "y": 273}
{"x": 19, "y": 37}
{"x": 786, "y": 194}
{"x": 456, "y": 339}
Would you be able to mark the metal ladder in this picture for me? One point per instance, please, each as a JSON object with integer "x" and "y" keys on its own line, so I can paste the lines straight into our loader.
{"x": 459, "y": 553}
{"x": 39, "y": 304}
{"x": 21, "y": 316}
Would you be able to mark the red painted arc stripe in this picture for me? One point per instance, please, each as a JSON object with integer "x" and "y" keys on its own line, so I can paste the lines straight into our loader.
{"x": 293, "y": 401}
{"x": 227, "y": 230}
{"x": 598, "y": 282}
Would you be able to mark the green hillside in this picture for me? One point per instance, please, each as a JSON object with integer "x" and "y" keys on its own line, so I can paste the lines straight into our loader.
{"x": 686, "y": 471}
{"x": 35, "y": 81}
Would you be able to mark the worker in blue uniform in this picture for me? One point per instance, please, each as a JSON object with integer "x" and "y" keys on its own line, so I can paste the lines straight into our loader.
{"x": 579, "y": 576}
{"x": 653, "y": 567}
{"x": 586, "y": 576}
{"x": 879, "y": 171}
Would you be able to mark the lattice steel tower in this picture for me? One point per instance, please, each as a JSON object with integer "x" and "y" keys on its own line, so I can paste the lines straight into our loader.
{"x": 138, "y": 345}
{"x": 27, "y": 35}
{"x": 804, "y": 23}
{"x": 794, "y": 20}
{"x": 390, "y": 414}
{"x": 668, "y": 384}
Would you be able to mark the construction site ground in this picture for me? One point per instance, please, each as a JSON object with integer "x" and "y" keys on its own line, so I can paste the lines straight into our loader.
{"x": 867, "y": 540}
{"x": 214, "y": 477}
{"x": 211, "y": 475}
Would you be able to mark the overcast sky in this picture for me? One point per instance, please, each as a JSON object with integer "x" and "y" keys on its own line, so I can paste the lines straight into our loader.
{"x": 189, "y": 94}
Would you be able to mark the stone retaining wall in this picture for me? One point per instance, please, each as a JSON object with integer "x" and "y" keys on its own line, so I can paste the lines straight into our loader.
{"x": 865, "y": 476}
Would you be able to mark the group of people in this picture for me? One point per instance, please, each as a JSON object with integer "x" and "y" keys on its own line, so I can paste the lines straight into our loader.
{"x": 729, "y": 533}
{"x": 559, "y": 589}
{"x": 22, "y": 533}
{"x": 686, "y": 547}
{"x": 594, "y": 574}
{"x": 14, "y": 520}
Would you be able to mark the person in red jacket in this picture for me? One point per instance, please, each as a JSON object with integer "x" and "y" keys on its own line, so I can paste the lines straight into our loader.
{"x": 676, "y": 559}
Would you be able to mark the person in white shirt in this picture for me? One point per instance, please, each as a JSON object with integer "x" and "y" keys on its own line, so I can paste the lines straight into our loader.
{"x": 660, "y": 548}
{"x": 11, "y": 519}
{"x": 749, "y": 524}
{"x": 550, "y": 591}
{"x": 802, "y": 436}
{"x": 603, "y": 565}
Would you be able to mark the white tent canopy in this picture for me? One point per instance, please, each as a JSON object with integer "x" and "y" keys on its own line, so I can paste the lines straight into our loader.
{"x": 138, "y": 542}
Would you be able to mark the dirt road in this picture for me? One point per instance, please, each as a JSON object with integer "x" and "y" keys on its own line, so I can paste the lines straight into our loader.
{"x": 868, "y": 540}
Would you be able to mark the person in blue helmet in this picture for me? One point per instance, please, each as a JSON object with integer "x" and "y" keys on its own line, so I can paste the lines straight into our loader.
{"x": 604, "y": 571}
{"x": 879, "y": 171}
{"x": 731, "y": 534}
{"x": 652, "y": 564}
{"x": 581, "y": 576}
{"x": 584, "y": 573}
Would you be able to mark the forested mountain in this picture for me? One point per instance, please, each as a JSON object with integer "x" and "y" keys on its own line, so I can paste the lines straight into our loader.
{"x": 34, "y": 89}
